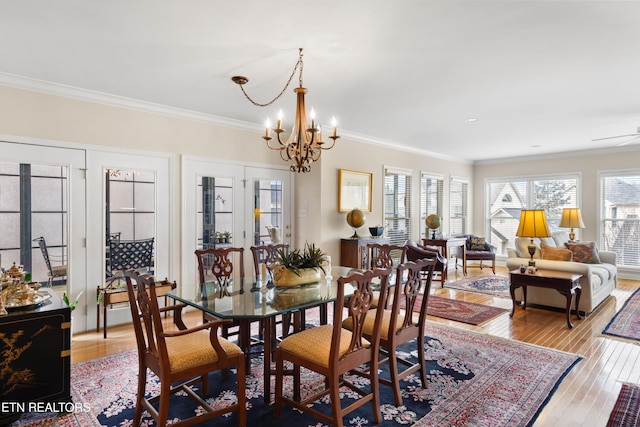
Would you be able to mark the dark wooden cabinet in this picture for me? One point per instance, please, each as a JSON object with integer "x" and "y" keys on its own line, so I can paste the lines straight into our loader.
{"x": 353, "y": 251}
{"x": 35, "y": 344}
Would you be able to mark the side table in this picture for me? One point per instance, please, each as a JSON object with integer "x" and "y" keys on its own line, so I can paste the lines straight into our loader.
{"x": 565, "y": 283}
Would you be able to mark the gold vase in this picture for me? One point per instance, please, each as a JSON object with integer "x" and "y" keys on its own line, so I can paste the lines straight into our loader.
{"x": 283, "y": 277}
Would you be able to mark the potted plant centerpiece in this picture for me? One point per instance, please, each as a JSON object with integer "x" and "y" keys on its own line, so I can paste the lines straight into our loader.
{"x": 299, "y": 267}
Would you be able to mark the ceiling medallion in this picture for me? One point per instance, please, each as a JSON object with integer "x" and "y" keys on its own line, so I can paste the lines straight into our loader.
{"x": 304, "y": 145}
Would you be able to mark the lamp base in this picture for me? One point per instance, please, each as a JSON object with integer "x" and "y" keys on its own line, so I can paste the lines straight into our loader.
{"x": 572, "y": 235}
{"x": 532, "y": 263}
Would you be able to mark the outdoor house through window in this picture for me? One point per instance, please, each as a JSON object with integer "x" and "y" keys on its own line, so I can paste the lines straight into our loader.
{"x": 506, "y": 197}
{"x": 620, "y": 215}
{"x": 33, "y": 205}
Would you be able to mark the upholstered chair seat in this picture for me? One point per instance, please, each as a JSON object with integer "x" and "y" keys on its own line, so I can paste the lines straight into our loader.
{"x": 193, "y": 350}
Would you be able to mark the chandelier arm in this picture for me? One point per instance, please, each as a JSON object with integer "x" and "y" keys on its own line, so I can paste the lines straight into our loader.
{"x": 293, "y": 73}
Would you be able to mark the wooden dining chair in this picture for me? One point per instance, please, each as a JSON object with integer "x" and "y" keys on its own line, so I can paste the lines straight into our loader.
{"x": 384, "y": 256}
{"x": 333, "y": 351}
{"x": 223, "y": 265}
{"x": 399, "y": 323}
{"x": 180, "y": 358}
{"x": 267, "y": 255}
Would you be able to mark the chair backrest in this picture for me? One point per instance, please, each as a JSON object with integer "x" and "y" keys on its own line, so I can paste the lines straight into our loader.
{"x": 384, "y": 256}
{"x": 45, "y": 253}
{"x": 266, "y": 254}
{"x": 130, "y": 255}
{"x": 145, "y": 312}
{"x": 220, "y": 262}
{"x": 416, "y": 252}
{"x": 411, "y": 283}
{"x": 359, "y": 303}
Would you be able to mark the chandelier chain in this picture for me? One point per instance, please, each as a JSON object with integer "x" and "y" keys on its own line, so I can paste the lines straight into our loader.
{"x": 299, "y": 64}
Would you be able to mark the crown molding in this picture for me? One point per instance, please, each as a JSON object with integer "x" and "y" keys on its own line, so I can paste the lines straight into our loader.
{"x": 73, "y": 92}
{"x": 36, "y": 85}
{"x": 560, "y": 154}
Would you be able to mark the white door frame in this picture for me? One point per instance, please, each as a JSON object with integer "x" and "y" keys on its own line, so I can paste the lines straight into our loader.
{"x": 27, "y": 150}
{"x": 195, "y": 167}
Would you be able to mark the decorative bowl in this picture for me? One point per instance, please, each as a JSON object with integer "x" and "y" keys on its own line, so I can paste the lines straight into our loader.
{"x": 376, "y": 231}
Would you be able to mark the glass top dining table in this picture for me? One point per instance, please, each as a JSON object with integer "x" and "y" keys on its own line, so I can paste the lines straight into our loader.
{"x": 247, "y": 299}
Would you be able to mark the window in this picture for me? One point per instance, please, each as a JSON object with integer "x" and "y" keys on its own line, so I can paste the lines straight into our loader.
{"x": 458, "y": 206}
{"x": 620, "y": 216}
{"x": 34, "y": 204}
{"x": 397, "y": 205}
{"x": 431, "y": 189}
{"x": 507, "y": 197}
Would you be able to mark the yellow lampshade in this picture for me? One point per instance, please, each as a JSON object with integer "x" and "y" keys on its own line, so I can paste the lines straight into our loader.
{"x": 533, "y": 223}
{"x": 571, "y": 218}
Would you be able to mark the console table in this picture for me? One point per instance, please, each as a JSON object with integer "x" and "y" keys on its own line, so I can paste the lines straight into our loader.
{"x": 563, "y": 282}
{"x": 445, "y": 246}
{"x": 36, "y": 353}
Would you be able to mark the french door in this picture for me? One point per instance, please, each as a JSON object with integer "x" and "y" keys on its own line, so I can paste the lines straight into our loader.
{"x": 43, "y": 194}
{"x": 231, "y": 205}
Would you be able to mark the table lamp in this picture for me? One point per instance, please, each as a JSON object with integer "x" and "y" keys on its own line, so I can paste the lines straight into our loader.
{"x": 571, "y": 218}
{"x": 533, "y": 223}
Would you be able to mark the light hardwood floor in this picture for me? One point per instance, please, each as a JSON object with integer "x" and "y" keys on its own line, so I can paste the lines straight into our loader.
{"x": 584, "y": 398}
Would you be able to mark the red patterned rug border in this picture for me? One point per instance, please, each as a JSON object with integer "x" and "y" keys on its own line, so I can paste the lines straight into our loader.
{"x": 626, "y": 411}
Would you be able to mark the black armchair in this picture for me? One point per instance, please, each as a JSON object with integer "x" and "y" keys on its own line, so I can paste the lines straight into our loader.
{"x": 417, "y": 252}
{"x": 476, "y": 249}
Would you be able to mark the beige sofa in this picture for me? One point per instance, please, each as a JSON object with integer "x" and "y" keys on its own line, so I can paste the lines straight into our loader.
{"x": 597, "y": 281}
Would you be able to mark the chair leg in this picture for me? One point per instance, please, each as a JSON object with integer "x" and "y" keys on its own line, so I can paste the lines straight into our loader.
{"x": 375, "y": 389}
{"x": 336, "y": 407}
{"x": 142, "y": 381}
{"x": 277, "y": 405}
{"x": 242, "y": 400}
{"x": 393, "y": 373}
{"x": 163, "y": 404}
{"x": 423, "y": 362}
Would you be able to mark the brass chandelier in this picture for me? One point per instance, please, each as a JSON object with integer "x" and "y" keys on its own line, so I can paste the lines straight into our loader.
{"x": 304, "y": 145}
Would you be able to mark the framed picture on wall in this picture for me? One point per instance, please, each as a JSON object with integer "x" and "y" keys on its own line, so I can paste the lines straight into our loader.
{"x": 354, "y": 190}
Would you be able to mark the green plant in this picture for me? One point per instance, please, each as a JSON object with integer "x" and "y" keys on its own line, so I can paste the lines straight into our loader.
{"x": 74, "y": 304}
{"x": 309, "y": 257}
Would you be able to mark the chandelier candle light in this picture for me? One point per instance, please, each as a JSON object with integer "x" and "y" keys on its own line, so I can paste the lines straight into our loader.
{"x": 304, "y": 145}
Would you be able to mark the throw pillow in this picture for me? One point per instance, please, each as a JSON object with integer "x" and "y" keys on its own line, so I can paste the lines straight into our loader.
{"x": 522, "y": 248}
{"x": 556, "y": 254}
{"x": 584, "y": 252}
{"x": 477, "y": 243}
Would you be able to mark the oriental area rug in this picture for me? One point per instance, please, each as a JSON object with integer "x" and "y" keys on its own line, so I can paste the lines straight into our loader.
{"x": 473, "y": 379}
{"x": 626, "y": 322}
{"x": 460, "y": 311}
{"x": 490, "y": 284}
{"x": 626, "y": 412}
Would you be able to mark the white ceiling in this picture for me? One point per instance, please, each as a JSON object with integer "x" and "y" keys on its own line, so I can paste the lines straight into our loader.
{"x": 541, "y": 76}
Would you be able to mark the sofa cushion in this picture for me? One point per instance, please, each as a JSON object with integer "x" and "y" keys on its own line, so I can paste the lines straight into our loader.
{"x": 522, "y": 244}
{"x": 560, "y": 237}
{"x": 553, "y": 253}
{"x": 476, "y": 243}
{"x": 548, "y": 241}
{"x": 584, "y": 252}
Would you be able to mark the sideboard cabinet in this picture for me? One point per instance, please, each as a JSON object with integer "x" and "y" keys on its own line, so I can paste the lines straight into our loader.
{"x": 353, "y": 251}
{"x": 36, "y": 346}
